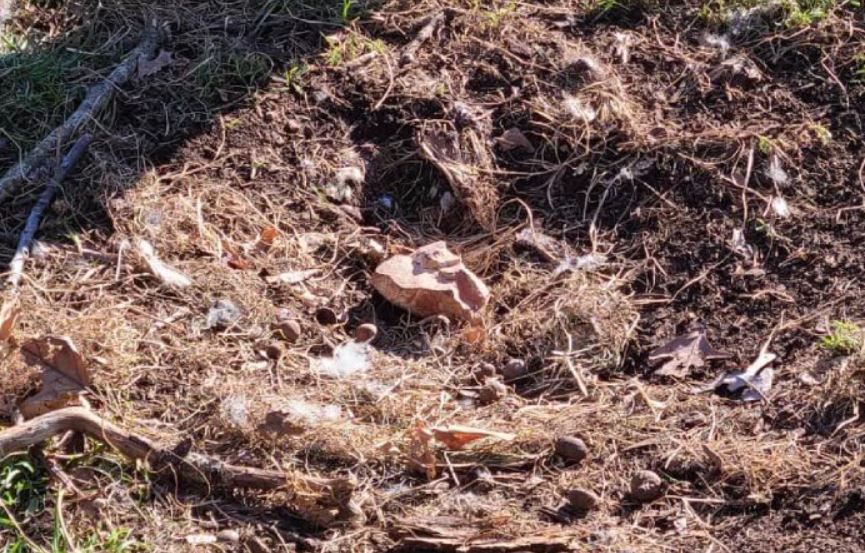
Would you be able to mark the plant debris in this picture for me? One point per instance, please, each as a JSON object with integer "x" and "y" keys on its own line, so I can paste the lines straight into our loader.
{"x": 752, "y": 384}
{"x": 65, "y": 374}
{"x": 683, "y": 353}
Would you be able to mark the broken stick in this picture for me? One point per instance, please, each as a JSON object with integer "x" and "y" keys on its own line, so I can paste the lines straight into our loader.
{"x": 426, "y": 32}
{"x": 97, "y": 98}
{"x": 25, "y": 241}
{"x": 313, "y": 495}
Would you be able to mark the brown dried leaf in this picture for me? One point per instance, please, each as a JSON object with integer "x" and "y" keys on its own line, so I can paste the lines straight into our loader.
{"x": 683, "y": 353}
{"x": 238, "y": 262}
{"x": 147, "y": 68}
{"x": 64, "y": 373}
{"x": 458, "y": 436}
{"x": 9, "y": 313}
{"x": 268, "y": 236}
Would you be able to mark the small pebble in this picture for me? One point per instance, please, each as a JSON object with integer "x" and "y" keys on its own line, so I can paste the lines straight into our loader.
{"x": 646, "y": 486}
{"x": 365, "y": 333}
{"x": 274, "y": 351}
{"x": 571, "y": 448}
{"x": 492, "y": 391}
{"x": 288, "y": 330}
{"x": 327, "y": 316}
{"x": 514, "y": 370}
{"x": 583, "y": 500}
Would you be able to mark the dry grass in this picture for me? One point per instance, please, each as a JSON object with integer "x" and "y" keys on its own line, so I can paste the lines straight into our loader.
{"x": 199, "y": 162}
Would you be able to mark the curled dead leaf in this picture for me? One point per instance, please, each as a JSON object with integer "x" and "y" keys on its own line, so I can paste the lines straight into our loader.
{"x": 65, "y": 374}
{"x": 683, "y": 353}
{"x": 474, "y": 335}
{"x": 420, "y": 454}
{"x": 239, "y": 263}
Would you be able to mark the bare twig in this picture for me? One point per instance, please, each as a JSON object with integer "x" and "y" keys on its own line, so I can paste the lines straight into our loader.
{"x": 25, "y": 241}
{"x": 97, "y": 98}
{"x": 408, "y": 54}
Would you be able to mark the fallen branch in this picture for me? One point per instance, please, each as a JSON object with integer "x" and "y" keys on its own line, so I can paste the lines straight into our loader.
{"x": 25, "y": 241}
{"x": 426, "y": 32}
{"x": 98, "y": 96}
{"x": 321, "y": 500}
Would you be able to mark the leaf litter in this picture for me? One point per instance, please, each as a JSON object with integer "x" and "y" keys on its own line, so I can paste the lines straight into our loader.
{"x": 658, "y": 226}
{"x": 65, "y": 374}
{"x": 683, "y": 353}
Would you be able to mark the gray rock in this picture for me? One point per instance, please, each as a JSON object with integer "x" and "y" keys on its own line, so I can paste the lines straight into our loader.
{"x": 583, "y": 500}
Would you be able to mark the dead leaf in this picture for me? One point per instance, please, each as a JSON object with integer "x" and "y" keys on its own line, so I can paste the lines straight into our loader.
{"x": 268, "y": 236}
{"x": 458, "y": 436}
{"x": 432, "y": 281}
{"x": 684, "y": 353}
{"x": 420, "y": 454}
{"x": 147, "y": 68}
{"x": 9, "y": 313}
{"x": 64, "y": 374}
{"x": 474, "y": 335}
{"x": 161, "y": 270}
{"x": 513, "y": 139}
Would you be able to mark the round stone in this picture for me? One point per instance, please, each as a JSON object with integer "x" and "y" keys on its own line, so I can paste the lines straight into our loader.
{"x": 571, "y": 448}
{"x": 583, "y": 500}
{"x": 288, "y": 330}
{"x": 646, "y": 486}
{"x": 365, "y": 333}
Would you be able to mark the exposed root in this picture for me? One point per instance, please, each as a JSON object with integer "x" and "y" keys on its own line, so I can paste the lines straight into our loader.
{"x": 323, "y": 500}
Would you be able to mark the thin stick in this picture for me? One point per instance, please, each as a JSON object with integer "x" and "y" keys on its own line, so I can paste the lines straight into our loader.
{"x": 98, "y": 96}
{"x": 408, "y": 54}
{"x": 193, "y": 467}
{"x": 22, "y": 252}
